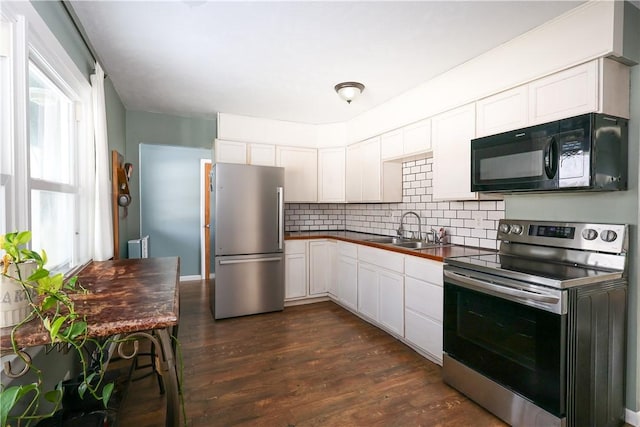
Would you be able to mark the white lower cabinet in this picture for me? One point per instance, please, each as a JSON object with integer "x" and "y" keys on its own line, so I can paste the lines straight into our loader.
{"x": 391, "y": 303}
{"x": 380, "y": 288}
{"x": 321, "y": 277}
{"x": 295, "y": 276}
{"x": 347, "y": 274}
{"x": 368, "y": 290}
{"x": 423, "y": 305}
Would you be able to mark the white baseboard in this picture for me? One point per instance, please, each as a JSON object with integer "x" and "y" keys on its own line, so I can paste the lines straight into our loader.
{"x": 188, "y": 278}
{"x": 632, "y": 418}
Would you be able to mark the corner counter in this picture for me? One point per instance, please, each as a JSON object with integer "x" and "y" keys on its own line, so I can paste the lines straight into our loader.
{"x": 436, "y": 253}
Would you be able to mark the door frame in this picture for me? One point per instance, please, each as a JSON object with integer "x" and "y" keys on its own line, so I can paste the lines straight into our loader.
{"x": 205, "y": 203}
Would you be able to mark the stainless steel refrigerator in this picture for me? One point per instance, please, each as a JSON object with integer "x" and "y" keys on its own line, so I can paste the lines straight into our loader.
{"x": 248, "y": 242}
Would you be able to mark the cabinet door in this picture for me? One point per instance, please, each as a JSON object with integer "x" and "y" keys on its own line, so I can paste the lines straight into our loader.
{"x": 391, "y": 145}
{"x": 371, "y": 170}
{"x": 505, "y": 111}
{"x": 300, "y": 173}
{"x": 424, "y": 298}
{"x": 295, "y": 278}
{"x": 262, "y": 154}
{"x": 391, "y": 313}
{"x": 333, "y": 263}
{"x": 230, "y": 152}
{"x": 452, "y": 135}
{"x": 319, "y": 267}
{"x": 348, "y": 282}
{"x": 564, "y": 94}
{"x": 424, "y": 333}
{"x": 331, "y": 175}
{"x": 354, "y": 173}
{"x": 368, "y": 291}
{"x": 417, "y": 137}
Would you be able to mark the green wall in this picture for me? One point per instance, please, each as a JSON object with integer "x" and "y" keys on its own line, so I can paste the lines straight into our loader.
{"x": 58, "y": 21}
{"x": 615, "y": 207}
{"x": 164, "y": 129}
{"x": 116, "y": 133}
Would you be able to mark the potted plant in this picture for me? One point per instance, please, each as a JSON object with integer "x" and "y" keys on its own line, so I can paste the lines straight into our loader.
{"x": 47, "y": 299}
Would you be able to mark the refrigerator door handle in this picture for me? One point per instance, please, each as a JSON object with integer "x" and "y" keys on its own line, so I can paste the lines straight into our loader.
{"x": 280, "y": 192}
{"x": 248, "y": 260}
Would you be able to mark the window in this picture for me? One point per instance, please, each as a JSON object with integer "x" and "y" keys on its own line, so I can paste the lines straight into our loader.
{"x": 52, "y": 160}
{"x": 47, "y": 162}
{"x": 6, "y": 152}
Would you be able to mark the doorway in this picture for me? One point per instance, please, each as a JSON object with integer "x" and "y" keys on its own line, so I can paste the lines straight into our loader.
{"x": 205, "y": 219}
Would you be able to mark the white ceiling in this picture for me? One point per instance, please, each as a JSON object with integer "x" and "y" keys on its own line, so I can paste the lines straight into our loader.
{"x": 281, "y": 60}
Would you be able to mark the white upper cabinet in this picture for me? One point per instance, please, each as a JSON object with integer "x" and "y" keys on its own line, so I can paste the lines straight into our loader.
{"x": 407, "y": 141}
{"x": 331, "y": 175}
{"x": 391, "y": 145}
{"x": 504, "y": 111}
{"x": 452, "y": 135}
{"x": 417, "y": 138}
{"x": 564, "y": 94}
{"x": 262, "y": 154}
{"x": 598, "y": 86}
{"x": 368, "y": 178}
{"x": 300, "y": 173}
{"x": 354, "y": 173}
{"x": 371, "y": 171}
{"x": 230, "y": 152}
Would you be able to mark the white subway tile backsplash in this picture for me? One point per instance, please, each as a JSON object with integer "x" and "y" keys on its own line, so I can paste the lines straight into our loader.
{"x": 466, "y": 223}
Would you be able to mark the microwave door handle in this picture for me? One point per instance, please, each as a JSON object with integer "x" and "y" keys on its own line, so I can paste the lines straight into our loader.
{"x": 551, "y": 158}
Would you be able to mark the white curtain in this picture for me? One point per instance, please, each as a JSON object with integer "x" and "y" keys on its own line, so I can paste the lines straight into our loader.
{"x": 103, "y": 225}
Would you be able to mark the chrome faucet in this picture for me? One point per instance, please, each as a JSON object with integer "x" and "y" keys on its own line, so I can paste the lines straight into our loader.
{"x": 400, "y": 229}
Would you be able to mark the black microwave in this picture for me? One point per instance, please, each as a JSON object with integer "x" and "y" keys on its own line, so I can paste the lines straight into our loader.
{"x": 587, "y": 152}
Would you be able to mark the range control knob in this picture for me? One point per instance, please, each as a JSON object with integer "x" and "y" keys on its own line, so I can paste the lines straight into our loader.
{"x": 505, "y": 228}
{"x": 608, "y": 235}
{"x": 589, "y": 234}
{"x": 516, "y": 229}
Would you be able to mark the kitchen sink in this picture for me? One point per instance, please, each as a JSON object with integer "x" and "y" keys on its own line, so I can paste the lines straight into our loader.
{"x": 405, "y": 243}
{"x": 417, "y": 245}
{"x": 391, "y": 240}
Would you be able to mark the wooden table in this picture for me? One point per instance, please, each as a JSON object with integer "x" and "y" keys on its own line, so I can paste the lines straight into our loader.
{"x": 127, "y": 298}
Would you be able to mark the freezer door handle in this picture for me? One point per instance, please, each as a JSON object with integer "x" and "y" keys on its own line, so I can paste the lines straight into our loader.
{"x": 280, "y": 192}
{"x": 248, "y": 260}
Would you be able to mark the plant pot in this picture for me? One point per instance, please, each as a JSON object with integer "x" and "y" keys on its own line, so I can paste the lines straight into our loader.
{"x": 14, "y": 304}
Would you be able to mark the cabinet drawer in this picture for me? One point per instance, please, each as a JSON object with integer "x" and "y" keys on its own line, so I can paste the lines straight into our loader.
{"x": 424, "y": 269}
{"x": 295, "y": 246}
{"x": 424, "y": 298}
{"x": 424, "y": 333}
{"x": 381, "y": 258}
{"x": 347, "y": 249}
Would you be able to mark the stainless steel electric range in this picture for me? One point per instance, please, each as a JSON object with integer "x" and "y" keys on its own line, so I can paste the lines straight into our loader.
{"x": 536, "y": 332}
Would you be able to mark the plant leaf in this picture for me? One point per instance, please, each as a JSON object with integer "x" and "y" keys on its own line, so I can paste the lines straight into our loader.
{"x": 38, "y": 274}
{"x": 106, "y": 393}
{"x": 22, "y": 238}
{"x": 53, "y": 396}
{"x": 48, "y": 302}
{"x": 9, "y": 397}
{"x": 75, "y": 330}
{"x": 55, "y": 328}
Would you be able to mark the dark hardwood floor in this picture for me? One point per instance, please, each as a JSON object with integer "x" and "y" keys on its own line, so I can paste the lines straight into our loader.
{"x": 311, "y": 365}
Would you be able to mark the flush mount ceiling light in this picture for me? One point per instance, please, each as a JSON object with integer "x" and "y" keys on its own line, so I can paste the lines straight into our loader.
{"x": 349, "y": 90}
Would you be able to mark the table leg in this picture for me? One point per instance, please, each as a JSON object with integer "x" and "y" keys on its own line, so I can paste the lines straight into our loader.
{"x": 170, "y": 376}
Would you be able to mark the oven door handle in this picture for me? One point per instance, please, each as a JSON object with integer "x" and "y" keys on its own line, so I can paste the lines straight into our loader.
{"x": 482, "y": 286}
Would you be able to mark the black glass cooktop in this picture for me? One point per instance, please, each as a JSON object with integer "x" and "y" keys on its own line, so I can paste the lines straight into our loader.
{"x": 556, "y": 275}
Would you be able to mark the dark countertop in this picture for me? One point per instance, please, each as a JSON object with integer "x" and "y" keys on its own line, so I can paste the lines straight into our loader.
{"x": 438, "y": 253}
{"x": 124, "y": 296}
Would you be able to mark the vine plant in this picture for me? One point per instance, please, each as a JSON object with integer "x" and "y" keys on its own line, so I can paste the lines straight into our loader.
{"x": 51, "y": 305}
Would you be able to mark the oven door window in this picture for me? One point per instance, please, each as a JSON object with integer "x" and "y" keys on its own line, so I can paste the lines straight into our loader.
{"x": 517, "y": 346}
